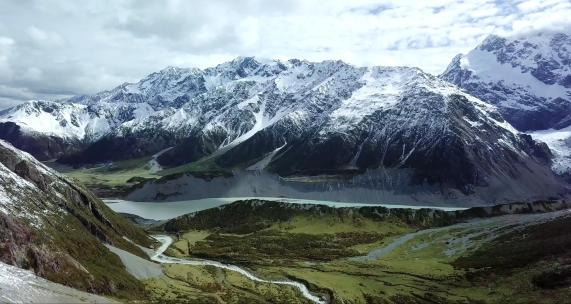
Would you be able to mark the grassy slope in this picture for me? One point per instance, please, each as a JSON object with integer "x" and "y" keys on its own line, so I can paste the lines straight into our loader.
{"x": 117, "y": 178}
{"x": 58, "y": 230}
{"x": 534, "y": 262}
{"x": 206, "y": 164}
{"x": 114, "y": 179}
{"x": 106, "y": 272}
{"x": 114, "y": 174}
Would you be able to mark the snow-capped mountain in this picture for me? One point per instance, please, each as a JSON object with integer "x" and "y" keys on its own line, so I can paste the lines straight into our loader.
{"x": 57, "y": 229}
{"x": 49, "y": 129}
{"x": 299, "y": 118}
{"x": 528, "y": 77}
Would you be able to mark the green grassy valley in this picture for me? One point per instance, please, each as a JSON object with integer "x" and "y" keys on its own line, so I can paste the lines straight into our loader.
{"x": 285, "y": 152}
{"x": 338, "y": 254}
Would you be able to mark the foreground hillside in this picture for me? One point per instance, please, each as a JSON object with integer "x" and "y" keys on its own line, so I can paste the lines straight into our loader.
{"x": 22, "y": 286}
{"x": 57, "y": 229}
{"x": 514, "y": 253}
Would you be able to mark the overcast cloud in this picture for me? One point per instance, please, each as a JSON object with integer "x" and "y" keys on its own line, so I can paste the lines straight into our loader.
{"x": 55, "y": 48}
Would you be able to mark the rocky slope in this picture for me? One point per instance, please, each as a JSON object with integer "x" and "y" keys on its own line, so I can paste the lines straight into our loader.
{"x": 56, "y": 228}
{"x": 297, "y": 118}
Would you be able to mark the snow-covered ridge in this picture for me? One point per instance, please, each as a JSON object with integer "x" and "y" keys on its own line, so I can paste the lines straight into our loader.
{"x": 297, "y": 117}
{"x": 527, "y": 76}
{"x": 539, "y": 63}
{"x": 544, "y": 55}
{"x": 66, "y": 120}
{"x": 486, "y": 66}
{"x": 257, "y": 92}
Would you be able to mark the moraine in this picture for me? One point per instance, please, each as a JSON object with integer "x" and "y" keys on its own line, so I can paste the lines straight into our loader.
{"x": 168, "y": 210}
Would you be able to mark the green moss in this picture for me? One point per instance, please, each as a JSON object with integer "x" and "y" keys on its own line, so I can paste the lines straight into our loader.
{"x": 271, "y": 246}
{"x": 184, "y": 244}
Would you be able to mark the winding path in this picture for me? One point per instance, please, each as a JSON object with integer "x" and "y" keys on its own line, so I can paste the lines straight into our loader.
{"x": 166, "y": 241}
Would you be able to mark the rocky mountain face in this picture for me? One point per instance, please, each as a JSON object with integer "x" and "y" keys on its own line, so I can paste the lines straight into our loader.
{"x": 56, "y": 228}
{"x": 527, "y": 77}
{"x": 298, "y": 118}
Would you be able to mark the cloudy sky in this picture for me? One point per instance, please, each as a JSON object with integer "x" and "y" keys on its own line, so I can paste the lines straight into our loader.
{"x": 55, "y": 48}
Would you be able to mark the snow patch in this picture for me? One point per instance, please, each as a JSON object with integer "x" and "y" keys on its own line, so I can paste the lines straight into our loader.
{"x": 381, "y": 90}
{"x": 485, "y": 65}
{"x": 22, "y": 286}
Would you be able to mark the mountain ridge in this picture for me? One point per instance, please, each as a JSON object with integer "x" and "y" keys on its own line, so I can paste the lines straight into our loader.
{"x": 527, "y": 76}
{"x": 299, "y": 118}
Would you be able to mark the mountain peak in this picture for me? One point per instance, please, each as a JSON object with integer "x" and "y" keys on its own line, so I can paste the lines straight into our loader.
{"x": 492, "y": 42}
{"x": 528, "y": 76}
{"x": 176, "y": 70}
{"x": 327, "y": 116}
{"x": 253, "y": 59}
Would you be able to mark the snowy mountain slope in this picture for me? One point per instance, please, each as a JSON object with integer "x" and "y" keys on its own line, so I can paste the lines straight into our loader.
{"x": 528, "y": 77}
{"x": 50, "y": 118}
{"x": 21, "y": 286}
{"x": 325, "y": 118}
{"x": 56, "y": 228}
{"x": 50, "y": 129}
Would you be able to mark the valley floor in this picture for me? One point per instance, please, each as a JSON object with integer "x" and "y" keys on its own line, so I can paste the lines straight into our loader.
{"x": 356, "y": 260}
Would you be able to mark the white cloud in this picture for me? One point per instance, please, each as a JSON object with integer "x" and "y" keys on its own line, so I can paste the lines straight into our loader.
{"x": 43, "y": 38}
{"x": 50, "y": 49}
